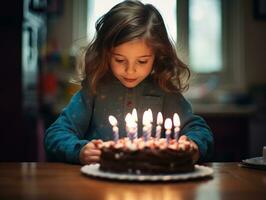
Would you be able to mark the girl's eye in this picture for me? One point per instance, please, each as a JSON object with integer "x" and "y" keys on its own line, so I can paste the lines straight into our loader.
{"x": 119, "y": 60}
{"x": 142, "y": 62}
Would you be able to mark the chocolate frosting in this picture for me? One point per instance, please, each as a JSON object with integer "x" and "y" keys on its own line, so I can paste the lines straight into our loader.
{"x": 153, "y": 158}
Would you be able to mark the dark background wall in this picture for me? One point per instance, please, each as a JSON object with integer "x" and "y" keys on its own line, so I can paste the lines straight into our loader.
{"x": 11, "y": 134}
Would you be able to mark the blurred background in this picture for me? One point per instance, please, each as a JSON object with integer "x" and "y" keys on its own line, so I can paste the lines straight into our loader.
{"x": 223, "y": 42}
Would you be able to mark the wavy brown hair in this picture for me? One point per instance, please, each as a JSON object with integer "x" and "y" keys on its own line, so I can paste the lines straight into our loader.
{"x": 127, "y": 21}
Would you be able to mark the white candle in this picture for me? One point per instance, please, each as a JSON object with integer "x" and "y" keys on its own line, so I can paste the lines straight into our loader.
{"x": 168, "y": 127}
{"x": 127, "y": 119}
{"x": 145, "y": 122}
{"x": 176, "y": 121}
{"x": 150, "y": 115}
{"x": 150, "y": 120}
{"x": 131, "y": 133}
{"x": 135, "y": 117}
{"x": 158, "y": 127}
{"x": 145, "y": 133}
{"x": 113, "y": 122}
{"x": 130, "y": 126}
{"x": 134, "y": 129}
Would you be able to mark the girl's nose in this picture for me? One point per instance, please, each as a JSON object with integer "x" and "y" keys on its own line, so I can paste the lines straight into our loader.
{"x": 130, "y": 68}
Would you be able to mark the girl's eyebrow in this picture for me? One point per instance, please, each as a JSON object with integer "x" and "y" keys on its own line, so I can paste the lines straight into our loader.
{"x": 117, "y": 54}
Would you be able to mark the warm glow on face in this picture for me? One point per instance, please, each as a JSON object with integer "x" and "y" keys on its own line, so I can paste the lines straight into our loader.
{"x": 112, "y": 120}
{"x": 131, "y": 62}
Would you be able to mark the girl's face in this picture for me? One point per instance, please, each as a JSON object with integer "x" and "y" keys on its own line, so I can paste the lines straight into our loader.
{"x": 131, "y": 62}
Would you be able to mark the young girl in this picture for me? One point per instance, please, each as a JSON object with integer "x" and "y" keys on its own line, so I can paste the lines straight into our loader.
{"x": 131, "y": 63}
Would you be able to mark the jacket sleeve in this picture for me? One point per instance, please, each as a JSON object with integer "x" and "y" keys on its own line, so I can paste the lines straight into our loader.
{"x": 193, "y": 126}
{"x": 196, "y": 129}
{"x": 65, "y": 137}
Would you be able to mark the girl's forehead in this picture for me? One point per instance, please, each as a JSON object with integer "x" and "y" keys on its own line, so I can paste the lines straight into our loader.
{"x": 138, "y": 47}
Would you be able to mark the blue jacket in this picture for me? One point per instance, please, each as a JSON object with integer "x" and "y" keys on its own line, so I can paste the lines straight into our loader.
{"x": 86, "y": 118}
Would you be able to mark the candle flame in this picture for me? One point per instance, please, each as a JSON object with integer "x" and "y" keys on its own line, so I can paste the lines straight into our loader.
{"x": 150, "y": 115}
{"x": 112, "y": 120}
{"x": 134, "y": 114}
{"x": 145, "y": 118}
{"x": 168, "y": 124}
{"x": 176, "y": 120}
{"x": 128, "y": 117}
{"x": 130, "y": 121}
{"x": 159, "y": 118}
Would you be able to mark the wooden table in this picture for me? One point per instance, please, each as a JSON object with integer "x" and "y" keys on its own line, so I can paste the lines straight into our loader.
{"x": 63, "y": 181}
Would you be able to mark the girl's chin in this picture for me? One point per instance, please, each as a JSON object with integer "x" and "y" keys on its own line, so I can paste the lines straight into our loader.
{"x": 130, "y": 85}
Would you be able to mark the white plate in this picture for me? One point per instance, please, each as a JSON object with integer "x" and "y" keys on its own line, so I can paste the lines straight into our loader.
{"x": 255, "y": 161}
{"x": 93, "y": 170}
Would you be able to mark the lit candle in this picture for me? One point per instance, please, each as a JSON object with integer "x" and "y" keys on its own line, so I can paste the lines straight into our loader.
{"x": 176, "y": 121}
{"x": 145, "y": 122}
{"x": 135, "y": 117}
{"x": 150, "y": 115}
{"x": 168, "y": 127}
{"x": 113, "y": 122}
{"x": 127, "y": 119}
{"x": 150, "y": 120}
{"x": 159, "y": 127}
{"x": 130, "y": 126}
{"x": 134, "y": 114}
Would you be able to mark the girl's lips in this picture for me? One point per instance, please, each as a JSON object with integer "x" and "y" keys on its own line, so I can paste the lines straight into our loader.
{"x": 130, "y": 79}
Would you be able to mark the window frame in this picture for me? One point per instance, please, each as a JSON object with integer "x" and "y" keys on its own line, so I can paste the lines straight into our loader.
{"x": 232, "y": 75}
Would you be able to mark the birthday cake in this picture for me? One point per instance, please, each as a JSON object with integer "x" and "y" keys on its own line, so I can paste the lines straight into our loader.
{"x": 155, "y": 156}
